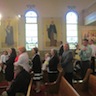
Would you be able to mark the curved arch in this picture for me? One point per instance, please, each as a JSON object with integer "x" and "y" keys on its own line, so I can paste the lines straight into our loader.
{"x": 31, "y": 14}
{"x": 71, "y": 17}
{"x": 32, "y": 10}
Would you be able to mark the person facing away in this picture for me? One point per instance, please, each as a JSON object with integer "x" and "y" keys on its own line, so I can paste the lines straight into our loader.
{"x": 20, "y": 83}
{"x": 66, "y": 63}
{"x": 53, "y": 65}
{"x": 61, "y": 49}
{"x": 85, "y": 55}
{"x": 36, "y": 68}
{"x": 9, "y": 69}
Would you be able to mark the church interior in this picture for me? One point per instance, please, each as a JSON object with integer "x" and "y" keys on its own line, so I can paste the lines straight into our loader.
{"x": 28, "y": 23}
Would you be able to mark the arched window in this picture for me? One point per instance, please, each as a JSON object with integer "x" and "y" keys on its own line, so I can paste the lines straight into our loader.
{"x": 31, "y": 30}
{"x": 72, "y": 28}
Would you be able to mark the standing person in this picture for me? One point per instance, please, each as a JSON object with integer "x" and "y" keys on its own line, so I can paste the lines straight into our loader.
{"x": 61, "y": 49}
{"x": 36, "y": 68}
{"x": 9, "y": 70}
{"x": 23, "y": 58}
{"x": 85, "y": 55}
{"x": 66, "y": 63}
{"x": 93, "y": 46}
{"x": 53, "y": 65}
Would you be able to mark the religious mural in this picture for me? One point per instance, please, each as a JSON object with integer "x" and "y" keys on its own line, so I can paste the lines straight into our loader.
{"x": 52, "y": 32}
{"x": 9, "y": 33}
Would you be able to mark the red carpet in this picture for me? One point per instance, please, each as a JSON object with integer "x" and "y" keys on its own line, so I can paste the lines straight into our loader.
{"x": 3, "y": 83}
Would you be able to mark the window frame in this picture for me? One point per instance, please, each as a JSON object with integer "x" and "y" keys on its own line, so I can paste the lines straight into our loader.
{"x": 34, "y": 41}
{"x": 76, "y": 30}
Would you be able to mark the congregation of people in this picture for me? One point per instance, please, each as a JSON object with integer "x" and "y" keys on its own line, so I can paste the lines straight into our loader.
{"x": 17, "y": 70}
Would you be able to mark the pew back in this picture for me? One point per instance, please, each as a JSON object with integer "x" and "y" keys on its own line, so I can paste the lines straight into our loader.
{"x": 92, "y": 85}
{"x": 66, "y": 89}
{"x": 29, "y": 88}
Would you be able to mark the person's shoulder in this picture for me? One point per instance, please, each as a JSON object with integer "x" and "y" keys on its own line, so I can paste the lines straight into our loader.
{"x": 90, "y": 47}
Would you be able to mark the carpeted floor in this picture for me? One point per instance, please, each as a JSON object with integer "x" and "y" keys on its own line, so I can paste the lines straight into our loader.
{"x": 41, "y": 93}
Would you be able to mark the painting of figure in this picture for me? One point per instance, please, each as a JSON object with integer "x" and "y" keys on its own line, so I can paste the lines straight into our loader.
{"x": 52, "y": 32}
{"x": 9, "y": 35}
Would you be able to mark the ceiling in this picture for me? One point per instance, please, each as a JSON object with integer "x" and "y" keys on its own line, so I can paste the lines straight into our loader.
{"x": 14, "y": 7}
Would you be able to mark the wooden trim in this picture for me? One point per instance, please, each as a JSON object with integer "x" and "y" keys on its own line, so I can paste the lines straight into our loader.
{"x": 29, "y": 87}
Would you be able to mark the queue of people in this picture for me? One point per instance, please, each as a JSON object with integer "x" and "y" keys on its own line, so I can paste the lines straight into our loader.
{"x": 17, "y": 68}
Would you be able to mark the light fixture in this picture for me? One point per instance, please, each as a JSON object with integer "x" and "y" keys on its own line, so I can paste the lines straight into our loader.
{"x": 19, "y": 16}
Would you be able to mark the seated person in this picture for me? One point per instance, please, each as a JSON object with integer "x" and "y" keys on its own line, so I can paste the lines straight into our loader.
{"x": 20, "y": 83}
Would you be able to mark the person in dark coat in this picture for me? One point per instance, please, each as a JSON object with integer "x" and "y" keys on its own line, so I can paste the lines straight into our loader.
{"x": 9, "y": 70}
{"x": 36, "y": 61}
{"x": 20, "y": 83}
{"x": 66, "y": 63}
{"x": 53, "y": 64}
{"x": 61, "y": 49}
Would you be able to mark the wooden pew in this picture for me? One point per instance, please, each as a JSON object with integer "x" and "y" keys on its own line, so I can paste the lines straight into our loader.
{"x": 29, "y": 88}
{"x": 92, "y": 85}
{"x": 66, "y": 89}
{"x": 60, "y": 88}
{"x": 88, "y": 86}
